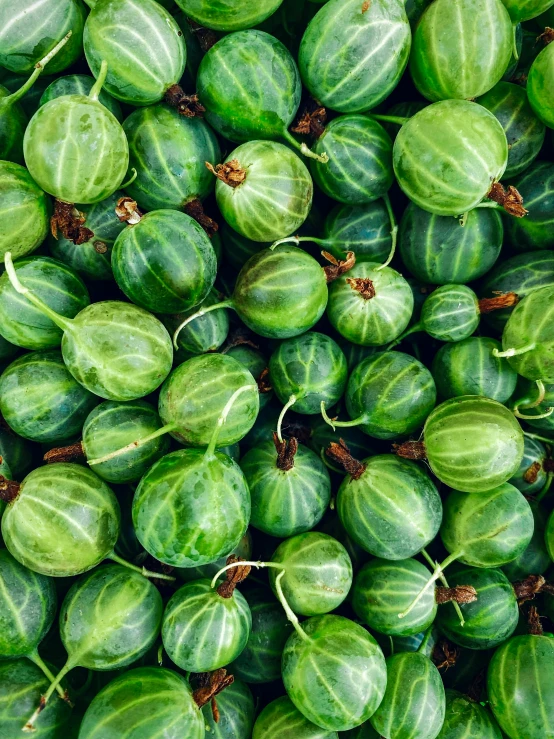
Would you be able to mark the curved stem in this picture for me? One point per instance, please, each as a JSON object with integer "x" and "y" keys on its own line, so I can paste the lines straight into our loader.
{"x": 304, "y": 148}
{"x": 515, "y": 52}
{"x": 36, "y": 659}
{"x": 339, "y": 424}
{"x": 39, "y": 66}
{"x": 393, "y": 232}
{"x": 514, "y": 352}
{"x": 546, "y": 487}
{"x": 97, "y": 87}
{"x": 434, "y": 577}
{"x": 526, "y": 403}
{"x": 425, "y": 640}
{"x": 292, "y": 617}
{"x": 527, "y": 417}
{"x": 444, "y": 581}
{"x": 199, "y": 314}
{"x": 400, "y": 120}
{"x": 60, "y": 321}
{"x": 244, "y": 563}
{"x": 30, "y": 725}
{"x": 538, "y": 437}
{"x": 417, "y": 327}
{"x": 328, "y": 464}
{"x": 223, "y": 417}
{"x": 133, "y": 445}
{"x": 143, "y": 571}
{"x": 130, "y": 180}
{"x": 290, "y": 402}
{"x": 299, "y": 239}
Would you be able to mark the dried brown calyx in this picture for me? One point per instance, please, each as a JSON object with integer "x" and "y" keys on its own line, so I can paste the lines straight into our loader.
{"x": 211, "y": 684}
{"x": 501, "y": 300}
{"x": 286, "y": 451}
{"x": 341, "y": 453}
{"x": 509, "y": 199}
{"x": 534, "y": 622}
{"x": 233, "y": 577}
{"x": 206, "y": 37}
{"x": 195, "y": 209}
{"x": 445, "y": 655}
{"x": 264, "y": 383}
{"x": 128, "y": 211}
{"x": 531, "y": 473}
{"x": 231, "y": 173}
{"x": 410, "y": 450}
{"x": 70, "y": 222}
{"x": 337, "y": 267}
{"x": 366, "y": 5}
{"x": 187, "y": 105}
{"x": 312, "y": 120}
{"x": 100, "y": 247}
{"x": 68, "y": 453}
{"x": 458, "y": 594}
{"x": 9, "y": 489}
{"x": 362, "y": 285}
{"x": 547, "y": 36}
{"x": 529, "y": 588}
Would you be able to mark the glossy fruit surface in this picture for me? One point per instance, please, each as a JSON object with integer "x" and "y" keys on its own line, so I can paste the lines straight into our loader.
{"x": 429, "y": 147}
{"x": 536, "y": 186}
{"x": 236, "y": 712}
{"x": 206, "y": 333}
{"x": 280, "y": 716}
{"x": 64, "y": 521}
{"x": 473, "y": 443}
{"x": 79, "y": 84}
{"x": 539, "y": 86}
{"x": 450, "y": 313}
{"x": 363, "y": 229}
{"x": 230, "y": 15}
{"x": 365, "y": 50}
{"x": 20, "y": 194}
{"x": 466, "y": 719}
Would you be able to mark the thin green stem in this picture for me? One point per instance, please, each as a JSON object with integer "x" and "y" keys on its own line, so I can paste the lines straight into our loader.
{"x": 223, "y": 417}
{"x": 546, "y": 487}
{"x": 290, "y": 402}
{"x": 527, "y": 403}
{"x": 514, "y": 352}
{"x": 143, "y": 571}
{"x": 515, "y": 51}
{"x": 199, "y": 314}
{"x": 304, "y": 148}
{"x": 391, "y": 645}
{"x": 160, "y": 655}
{"x": 30, "y": 725}
{"x": 39, "y": 67}
{"x": 444, "y": 581}
{"x": 244, "y": 563}
{"x": 60, "y": 321}
{"x": 538, "y": 437}
{"x": 463, "y": 219}
{"x": 133, "y": 445}
{"x": 39, "y": 662}
{"x": 292, "y": 617}
{"x": 434, "y": 577}
{"x": 97, "y": 87}
{"x": 425, "y": 641}
{"x": 393, "y": 232}
{"x": 299, "y": 239}
{"x": 416, "y": 328}
{"x": 131, "y": 179}
{"x": 400, "y": 120}
{"x": 339, "y": 424}
{"x": 327, "y": 463}
{"x": 527, "y": 417}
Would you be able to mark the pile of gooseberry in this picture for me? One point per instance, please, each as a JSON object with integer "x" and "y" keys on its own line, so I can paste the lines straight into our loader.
{"x": 277, "y": 369}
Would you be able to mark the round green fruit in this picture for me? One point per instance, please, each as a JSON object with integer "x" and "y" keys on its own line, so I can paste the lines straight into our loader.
{"x": 539, "y": 86}
{"x": 24, "y": 211}
{"x": 281, "y": 717}
{"x": 230, "y": 15}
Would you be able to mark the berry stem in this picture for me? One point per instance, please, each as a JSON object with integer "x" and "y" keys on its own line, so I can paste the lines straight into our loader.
{"x": 529, "y": 417}
{"x": 425, "y": 641}
{"x": 514, "y": 352}
{"x": 527, "y": 402}
{"x": 39, "y": 67}
{"x": 515, "y": 51}
{"x": 546, "y": 487}
{"x": 133, "y": 445}
{"x": 290, "y": 402}
{"x": 299, "y": 239}
{"x": 444, "y": 581}
{"x": 393, "y": 233}
{"x": 339, "y": 424}
{"x": 30, "y": 725}
{"x": 244, "y": 563}
{"x": 439, "y": 568}
{"x": 221, "y": 420}
{"x": 199, "y": 314}
{"x": 97, "y": 87}
{"x": 400, "y": 120}
{"x": 41, "y": 664}
{"x": 304, "y": 148}
{"x": 142, "y": 570}
{"x": 416, "y": 328}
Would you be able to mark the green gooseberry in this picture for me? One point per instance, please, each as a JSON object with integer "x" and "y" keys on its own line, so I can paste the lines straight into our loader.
{"x": 205, "y": 334}
{"x": 30, "y": 31}
{"x": 474, "y": 37}
{"x": 450, "y": 313}
{"x": 243, "y": 550}
{"x": 236, "y": 709}
{"x": 91, "y": 258}
{"x": 464, "y": 718}
{"x": 268, "y": 301}
{"x": 520, "y": 274}
{"x": 524, "y": 131}
{"x": 136, "y": 704}
{"x": 430, "y": 147}
{"x": 79, "y": 84}
{"x": 17, "y": 454}
{"x": 114, "y": 349}
{"x": 19, "y": 194}
{"x": 75, "y": 148}
{"x": 142, "y": 44}
{"x": 260, "y": 660}
{"x": 520, "y": 692}
{"x": 168, "y": 152}
{"x": 164, "y": 262}
{"x": 469, "y": 367}
{"x": 281, "y": 718}
{"x": 21, "y": 686}
{"x": 237, "y": 250}
{"x": 205, "y": 628}
{"x": 388, "y": 395}
{"x": 524, "y": 10}
{"x": 382, "y": 589}
{"x": 334, "y": 672}
{"x": 57, "y": 285}
{"x": 359, "y": 169}
{"x": 264, "y": 190}
{"x": 352, "y": 56}
{"x": 388, "y": 506}
{"x": 289, "y": 486}
{"x": 531, "y": 475}
{"x": 256, "y": 363}
{"x": 419, "y": 713}
{"x": 533, "y": 232}
{"x": 539, "y": 86}
{"x": 472, "y": 443}
{"x": 41, "y": 401}
{"x": 528, "y": 337}
{"x": 489, "y": 620}
{"x": 549, "y": 536}
{"x": 371, "y": 305}
{"x": 317, "y": 573}
{"x": 535, "y": 558}
{"x": 232, "y": 16}
{"x": 439, "y": 250}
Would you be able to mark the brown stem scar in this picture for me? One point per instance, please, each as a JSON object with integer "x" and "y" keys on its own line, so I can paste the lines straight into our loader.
{"x": 211, "y": 684}
{"x": 187, "y": 105}
{"x": 337, "y": 267}
{"x": 445, "y": 655}
{"x": 128, "y": 211}
{"x": 286, "y": 451}
{"x": 502, "y": 300}
{"x": 233, "y": 577}
{"x": 9, "y": 489}
{"x": 458, "y": 594}
{"x": 362, "y": 285}
{"x": 531, "y": 474}
{"x": 264, "y": 383}
{"x": 195, "y": 209}
{"x": 340, "y": 453}
{"x": 410, "y": 450}
{"x": 231, "y": 173}
{"x": 65, "y": 453}
{"x": 534, "y": 621}
{"x": 366, "y": 5}
{"x": 70, "y": 221}
{"x": 509, "y": 199}
{"x": 547, "y": 36}
{"x": 527, "y": 589}
{"x": 312, "y": 120}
